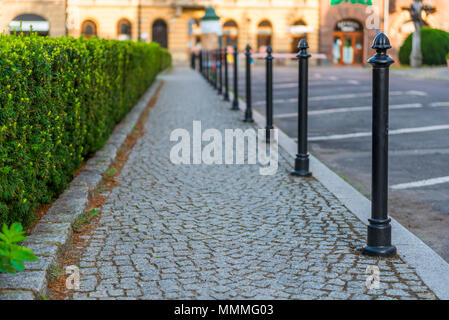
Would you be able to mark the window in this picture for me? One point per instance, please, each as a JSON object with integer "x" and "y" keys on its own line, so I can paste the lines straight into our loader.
{"x": 30, "y": 22}
{"x": 159, "y": 33}
{"x": 124, "y": 29}
{"x": 89, "y": 29}
{"x": 230, "y": 33}
{"x": 298, "y": 31}
{"x": 264, "y": 34}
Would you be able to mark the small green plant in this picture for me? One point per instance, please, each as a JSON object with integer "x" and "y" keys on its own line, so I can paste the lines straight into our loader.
{"x": 56, "y": 272}
{"x": 85, "y": 218}
{"x": 110, "y": 173}
{"x": 11, "y": 253}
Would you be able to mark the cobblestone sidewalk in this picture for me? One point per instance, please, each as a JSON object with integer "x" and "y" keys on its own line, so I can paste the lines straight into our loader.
{"x": 224, "y": 231}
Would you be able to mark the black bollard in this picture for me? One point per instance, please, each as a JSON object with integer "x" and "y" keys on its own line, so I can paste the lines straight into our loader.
{"x": 200, "y": 61}
{"x": 302, "y": 157}
{"x": 235, "y": 103}
{"x": 207, "y": 65}
{"x": 216, "y": 69}
{"x": 209, "y": 69}
{"x": 193, "y": 60}
{"x": 379, "y": 228}
{"x": 248, "y": 111}
{"x": 220, "y": 72}
{"x": 226, "y": 92}
{"x": 269, "y": 93}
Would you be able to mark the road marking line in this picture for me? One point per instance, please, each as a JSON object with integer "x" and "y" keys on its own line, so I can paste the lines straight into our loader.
{"x": 349, "y": 109}
{"x": 285, "y": 85}
{"x": 368, "y": 134}
{"x": 421, "y": 183}
{"x": 440, "y": 104}
{"x": 313, "y": 83}
{"x": 345, "y": 96}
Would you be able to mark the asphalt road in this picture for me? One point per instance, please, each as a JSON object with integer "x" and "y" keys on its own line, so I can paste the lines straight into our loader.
{"x": 339, "y": 133}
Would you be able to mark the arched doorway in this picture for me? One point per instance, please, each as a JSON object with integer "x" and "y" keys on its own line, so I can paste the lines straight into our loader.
{"x": 159, "y": 33}
{"x": 89, "y": 29}
{"x": 298, "y": 31}
{"x": 348, "y": 42}
{"x": 230, "y": 33}
{"x": 29, "y": 21}
{"x": 264, "y": 35}
{"x": 124, "y": 31}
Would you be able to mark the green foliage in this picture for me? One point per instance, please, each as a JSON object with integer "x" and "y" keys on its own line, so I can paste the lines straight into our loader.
{"x": 447, "y": 56}
{"x": 11, "y": 253}
{"x": 60, "y": 98}
{"x": 85, "y": 218}
{"x": 434, "y": 46}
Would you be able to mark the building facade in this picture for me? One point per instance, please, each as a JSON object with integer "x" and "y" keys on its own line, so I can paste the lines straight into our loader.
{"x": 343, "y": 32}
{"x": 347, "y": 30}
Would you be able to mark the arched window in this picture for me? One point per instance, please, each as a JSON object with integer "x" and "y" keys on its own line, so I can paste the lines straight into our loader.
{"x": 264, "y": 35}
{"x": 89, "y": 29}
{"x": 159, "y": 33}
{"x": 230, "y": 33}
{"x": 28, "y": 22}
{"x": 124, "y": 29}
{"x": 298, "y": 31}
{"x": 348, "y": 42}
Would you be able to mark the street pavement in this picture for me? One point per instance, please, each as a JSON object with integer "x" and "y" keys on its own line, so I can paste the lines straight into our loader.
{"x": 225, "y": 231}
{"x": 340, "y": 135}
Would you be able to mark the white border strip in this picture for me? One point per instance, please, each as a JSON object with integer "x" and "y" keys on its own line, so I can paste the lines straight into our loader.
{"x": 432, "y": 269}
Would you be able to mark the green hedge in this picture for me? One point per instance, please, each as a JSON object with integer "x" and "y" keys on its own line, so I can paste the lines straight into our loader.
{"x": 60, "y": 99}
{"x": 434, "y": 46}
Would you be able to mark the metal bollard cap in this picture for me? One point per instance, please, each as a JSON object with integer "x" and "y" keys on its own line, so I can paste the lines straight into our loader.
{"x": 303, "y": 46}
{"x": 269, "y": 52}
{"x": 381, "y": 59}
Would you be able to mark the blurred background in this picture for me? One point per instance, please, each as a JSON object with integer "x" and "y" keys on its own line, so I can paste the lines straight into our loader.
{"x": 340, "y": 32}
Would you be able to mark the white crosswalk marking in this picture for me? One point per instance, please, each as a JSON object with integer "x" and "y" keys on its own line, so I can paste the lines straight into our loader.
{"x": 421, "y": 183}
{"x": 368, "y": 134}
{"x": 349, "y": 109}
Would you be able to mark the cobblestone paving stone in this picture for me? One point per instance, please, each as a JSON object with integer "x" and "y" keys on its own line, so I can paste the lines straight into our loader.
{"x": 224, "y": 231}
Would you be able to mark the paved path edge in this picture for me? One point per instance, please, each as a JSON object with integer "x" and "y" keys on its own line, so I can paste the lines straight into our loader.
{"x": 429, "y": 265}
{"x": 53, "y": 232}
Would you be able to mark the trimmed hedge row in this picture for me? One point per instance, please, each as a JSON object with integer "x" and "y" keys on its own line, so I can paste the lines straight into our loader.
{"x": 434, "y": 46}
{"x": 60, "y": 99}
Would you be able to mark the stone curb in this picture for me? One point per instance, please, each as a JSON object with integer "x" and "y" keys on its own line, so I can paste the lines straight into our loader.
{"x": 433, "y": 269}
{"x": 54, "y": 231}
